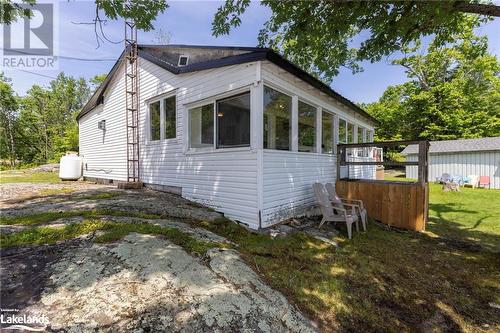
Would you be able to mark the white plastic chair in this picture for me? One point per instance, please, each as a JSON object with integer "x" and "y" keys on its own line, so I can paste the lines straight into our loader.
{"x": 357, "y": 205}
{"x": 333, "y": 212}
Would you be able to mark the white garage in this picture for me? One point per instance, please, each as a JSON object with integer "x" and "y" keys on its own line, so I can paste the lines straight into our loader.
{"x": 462, "y": 157}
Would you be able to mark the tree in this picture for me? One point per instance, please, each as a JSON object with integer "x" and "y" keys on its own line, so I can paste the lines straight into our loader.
{"x": 8, "y": 114}
{"x": 318, "y": 35}
{"x": 143, "y": 12}
{"x": 96, "y": 80}
{"x": 453, "y": 92}
{"x": 47, "y": 119}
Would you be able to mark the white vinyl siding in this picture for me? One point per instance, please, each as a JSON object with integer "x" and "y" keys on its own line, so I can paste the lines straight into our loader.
{"x": 287, "y": 182}
{"x": 483, "y": 163}
{"x": 225, "y": 180}
{"x": 105, "y": 152}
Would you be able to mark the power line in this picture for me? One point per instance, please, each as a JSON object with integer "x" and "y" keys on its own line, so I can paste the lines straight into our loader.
{"x": 34, "y": 73}
{"x": 68, "y": 58}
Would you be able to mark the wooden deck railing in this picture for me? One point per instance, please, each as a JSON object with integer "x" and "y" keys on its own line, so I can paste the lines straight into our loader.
{"x": 399, "y": 204}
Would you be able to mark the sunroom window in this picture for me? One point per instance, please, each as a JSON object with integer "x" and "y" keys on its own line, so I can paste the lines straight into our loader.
{"x": 233, "y": 121}
{"x": 155, "y": 121}
{"x": 201, "y": 126}
{"x": 350, "y": 133}
{"x": 342, "y": 131}
{"x": 327, "y": 133}
{"x": 277, "y": 119}
{"x": 307, "y": 127}
{"x": 361, "y": 137}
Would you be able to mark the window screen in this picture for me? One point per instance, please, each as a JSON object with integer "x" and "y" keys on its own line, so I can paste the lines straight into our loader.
{"x": 277, "y": 119}
{"x": 307, "y": 127}
{"x": 169, "y": 114}
{"x": 233, "y": 121}
{"x": 327, "y": 133}
{"x": 201, "y": 126}
{"x": 154, "y": 121}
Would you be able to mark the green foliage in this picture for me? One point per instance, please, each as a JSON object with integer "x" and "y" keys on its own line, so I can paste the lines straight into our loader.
{"x": 143, "y": 12}
{"x": 319, "y": 35}
{"x": 40, "y": 126}
{"x": 453, "y": 92}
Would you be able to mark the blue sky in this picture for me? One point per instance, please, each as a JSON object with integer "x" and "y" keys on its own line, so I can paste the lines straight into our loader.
{"x": 189, "y": 22}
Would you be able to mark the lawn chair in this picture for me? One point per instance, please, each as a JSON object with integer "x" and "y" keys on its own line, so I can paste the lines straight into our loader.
{"x": 483, "y": 181}
{"x": 358, "y": 206}
{"x": 333, "y": 212}
{"x": 472, "y": 181}
{"x": 446, "y": 178}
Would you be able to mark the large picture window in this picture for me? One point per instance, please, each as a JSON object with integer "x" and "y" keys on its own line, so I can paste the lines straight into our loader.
{"x": 169, "y": 116}
{"x": 277, "y": 119}
{"x": 307, "y": 127}
{"x": 327, "y": 133}
{"x": 225, "y": 122}
{"x": 201, "y": 126}
{"x": 155, "y": 121}
{"x": 233, "y": 121}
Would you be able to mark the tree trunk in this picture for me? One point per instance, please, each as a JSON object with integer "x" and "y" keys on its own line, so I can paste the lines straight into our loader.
{"x": 12, "y": 143}
{"x": 477, "y": 8}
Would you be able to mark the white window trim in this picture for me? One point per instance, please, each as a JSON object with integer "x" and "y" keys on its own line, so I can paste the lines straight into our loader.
{"x": 316, "y": 107}
{"x": 213, "y": 100}
{"x": 161, "y": 98}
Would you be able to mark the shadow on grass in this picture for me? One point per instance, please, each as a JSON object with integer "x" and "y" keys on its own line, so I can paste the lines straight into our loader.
{"x": 459, "y": 234}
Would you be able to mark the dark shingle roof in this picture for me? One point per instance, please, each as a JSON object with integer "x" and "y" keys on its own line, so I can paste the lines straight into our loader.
{"x": 239, "y": 55}
{"x": 455, "y": 146}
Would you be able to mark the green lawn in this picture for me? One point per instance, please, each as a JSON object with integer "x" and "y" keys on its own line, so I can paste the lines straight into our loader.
{"x": 17, "y": 176}
{"x": 471, "y": 214}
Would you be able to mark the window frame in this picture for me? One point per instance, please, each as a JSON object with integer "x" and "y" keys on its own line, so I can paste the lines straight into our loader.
{"x": 213, "y": 100}
{"x": 316, "y": 113}
{"x": 161, "y": 98}
{"x": 290, "y": 133}
{"x": 332, "y": 131}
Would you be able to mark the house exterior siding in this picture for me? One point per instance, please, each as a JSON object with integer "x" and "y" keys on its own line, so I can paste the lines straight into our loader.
{"x": 256, "y": 186}
{"x": 482, "y": 163}
{"x": 105, "y": 152}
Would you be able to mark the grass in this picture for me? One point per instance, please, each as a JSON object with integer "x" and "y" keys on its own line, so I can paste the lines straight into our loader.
{"x": 46, "y": 217}
{"x": 98, "y": 196}
{"x": 471, "y": 214}
{"x": 386, "y": 280}
{"x": 12, "y": 176}
{"x": 111, "y": 231}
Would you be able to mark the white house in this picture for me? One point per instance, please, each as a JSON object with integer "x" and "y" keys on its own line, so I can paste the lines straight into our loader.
{"x": 239, "y": 129}
{"x": 464, "y": 157}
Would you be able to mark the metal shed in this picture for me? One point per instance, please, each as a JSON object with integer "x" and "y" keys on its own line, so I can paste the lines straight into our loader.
{"x": 461, "y": 157}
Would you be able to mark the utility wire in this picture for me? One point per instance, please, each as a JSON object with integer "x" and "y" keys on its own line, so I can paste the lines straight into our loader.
{"x": 66, "y": 57}
{"x": 34, "y": 73}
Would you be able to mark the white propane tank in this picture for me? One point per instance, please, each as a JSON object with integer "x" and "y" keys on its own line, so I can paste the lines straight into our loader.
{"x": 70, "y": 167}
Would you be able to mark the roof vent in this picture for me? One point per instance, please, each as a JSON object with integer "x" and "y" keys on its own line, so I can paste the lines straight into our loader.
{"x": 183, "y": 60}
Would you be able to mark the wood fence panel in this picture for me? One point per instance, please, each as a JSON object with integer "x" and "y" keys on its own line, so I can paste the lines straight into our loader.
{"x": 402, "y": 205}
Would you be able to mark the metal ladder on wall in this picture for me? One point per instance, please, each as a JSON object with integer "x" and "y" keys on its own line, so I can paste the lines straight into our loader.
{"x": 131, "y": 101}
